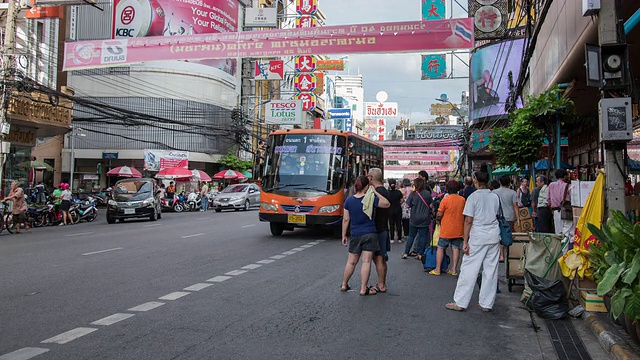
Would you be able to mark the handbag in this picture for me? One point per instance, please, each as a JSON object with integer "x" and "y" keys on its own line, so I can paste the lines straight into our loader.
{"x": 506, "y": 237}
{"x": 566, "y": 210}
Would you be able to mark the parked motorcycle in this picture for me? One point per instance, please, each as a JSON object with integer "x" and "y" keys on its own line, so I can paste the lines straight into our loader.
{"x": 87, "y": 210}
{"x": 38, "y": 216}
{"x": 175, "y": 204}
{"x": 194, "y": 202}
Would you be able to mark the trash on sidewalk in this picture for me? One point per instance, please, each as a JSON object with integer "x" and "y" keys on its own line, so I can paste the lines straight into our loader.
{"x": 549, "y": 298}
{"x": 576, "y": 312}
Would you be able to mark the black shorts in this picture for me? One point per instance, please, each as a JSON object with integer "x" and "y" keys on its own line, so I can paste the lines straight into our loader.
{"x": 65, "y": 205}
{"x": 20, "y": 218}
{"x": 366, "y": 242}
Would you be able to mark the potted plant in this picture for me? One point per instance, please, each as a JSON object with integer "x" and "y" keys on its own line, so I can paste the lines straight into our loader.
{"x": 616, "y": 264}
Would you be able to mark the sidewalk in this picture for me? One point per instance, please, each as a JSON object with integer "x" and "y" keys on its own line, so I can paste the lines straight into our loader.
{"x": 568, "y": 339}
{"x": 612, "y": 337}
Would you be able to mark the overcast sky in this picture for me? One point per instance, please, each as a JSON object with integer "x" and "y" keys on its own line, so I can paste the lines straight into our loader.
{"x": 397, "y": 74}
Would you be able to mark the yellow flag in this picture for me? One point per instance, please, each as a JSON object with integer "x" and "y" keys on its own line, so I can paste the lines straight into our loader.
{"x": 593, "y": 213}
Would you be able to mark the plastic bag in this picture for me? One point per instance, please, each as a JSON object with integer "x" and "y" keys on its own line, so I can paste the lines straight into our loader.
{"x": 549, "y": 298}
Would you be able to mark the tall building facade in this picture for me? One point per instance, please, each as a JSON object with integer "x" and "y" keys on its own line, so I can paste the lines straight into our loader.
{"x": 182, "y": 107}
{"x": 34, "y": 110}
{"x": 349, "y": 93}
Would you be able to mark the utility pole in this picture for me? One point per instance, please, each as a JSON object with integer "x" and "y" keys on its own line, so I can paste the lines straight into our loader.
{"x": 614, "y": 151}
{"x": 8, "y": 51}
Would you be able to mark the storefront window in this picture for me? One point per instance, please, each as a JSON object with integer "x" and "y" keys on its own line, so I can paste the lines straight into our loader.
{"x": 23, "y": 175}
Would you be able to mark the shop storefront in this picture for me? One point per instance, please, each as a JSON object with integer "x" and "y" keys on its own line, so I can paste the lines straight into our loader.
{"x": 30, "y": 120}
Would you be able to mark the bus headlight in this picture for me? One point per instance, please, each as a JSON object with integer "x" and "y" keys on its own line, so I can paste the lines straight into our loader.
{"x": 328, "y": 209}
{"x": 268, "y": 207}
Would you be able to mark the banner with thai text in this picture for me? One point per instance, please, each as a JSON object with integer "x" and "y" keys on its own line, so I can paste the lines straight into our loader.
{"x": 408, "y": 36}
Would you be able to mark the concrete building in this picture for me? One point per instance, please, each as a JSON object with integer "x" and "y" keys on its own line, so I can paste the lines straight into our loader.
{"x": 174, "y": 106}
{"x": 34, "y": 110}
{"x": 349, "y": 93}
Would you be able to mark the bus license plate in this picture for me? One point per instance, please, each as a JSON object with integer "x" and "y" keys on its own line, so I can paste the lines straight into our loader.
{"x": 129, "y": 211}
{"x": 297, "y": 219}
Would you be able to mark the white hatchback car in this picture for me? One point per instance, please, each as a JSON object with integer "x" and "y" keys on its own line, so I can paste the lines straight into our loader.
{"x": 238, "y": 196}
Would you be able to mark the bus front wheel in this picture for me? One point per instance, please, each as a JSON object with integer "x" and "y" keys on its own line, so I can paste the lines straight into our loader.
{"x": 276, "y": 229}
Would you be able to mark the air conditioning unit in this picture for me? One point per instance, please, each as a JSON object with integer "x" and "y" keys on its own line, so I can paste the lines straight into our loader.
{"x": 590, "y": 7}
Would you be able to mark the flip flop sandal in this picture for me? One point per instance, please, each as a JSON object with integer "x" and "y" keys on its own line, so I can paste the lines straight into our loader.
{"x": 377, "y": 289}
{"x": 345, "y": 289}
{"x": 452, "y": 273}
{"x": 484, "y": 309}
{"x": 454, "y": 307}
{"x": 404, "y": 256}
{"x": 433, "y": 272}
{"x": 368, "y": 292}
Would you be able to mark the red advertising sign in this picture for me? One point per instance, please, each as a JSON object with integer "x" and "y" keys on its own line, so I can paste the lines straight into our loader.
{"x": 269, "y": 70}
{"x": 409, "y": 36}
{"x": 308, "y": 101}
{"x": 306, "y": 7}
{"x": 305, "y": 82}
{"x": 306, "y": 21}
{"x": 306, "y": 63}
{"x": 140, "y": 18}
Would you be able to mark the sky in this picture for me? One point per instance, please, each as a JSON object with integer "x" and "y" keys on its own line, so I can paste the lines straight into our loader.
{"x": 397, "y": 74}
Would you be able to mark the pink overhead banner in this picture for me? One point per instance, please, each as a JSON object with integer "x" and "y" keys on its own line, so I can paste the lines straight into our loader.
{"x": 408, "y": 36}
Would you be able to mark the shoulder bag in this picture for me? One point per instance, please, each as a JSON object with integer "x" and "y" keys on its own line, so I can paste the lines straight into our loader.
{"x": 566, "y": 210}
{"x": 506, "y": 237}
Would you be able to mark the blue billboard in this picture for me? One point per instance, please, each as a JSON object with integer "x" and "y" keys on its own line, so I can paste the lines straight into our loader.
{"x": 339, "y": 114}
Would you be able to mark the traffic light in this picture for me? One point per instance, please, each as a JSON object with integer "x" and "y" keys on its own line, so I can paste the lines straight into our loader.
{"x": 236, "y": 117}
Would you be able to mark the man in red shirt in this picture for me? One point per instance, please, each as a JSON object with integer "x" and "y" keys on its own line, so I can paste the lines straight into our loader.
{"x": 451, "y": 222}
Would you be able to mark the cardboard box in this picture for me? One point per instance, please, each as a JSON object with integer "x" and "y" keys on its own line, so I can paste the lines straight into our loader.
{"x": 586, "y": 284}
{"x": 524, "y": 214}
{"x": 517, "y": 250}
{"x": 516, "y": 267}
{"x": 591, "y": 301}
{"x": 523, "y": 226}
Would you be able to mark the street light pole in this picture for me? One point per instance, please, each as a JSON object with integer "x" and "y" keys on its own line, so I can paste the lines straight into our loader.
{"x": 466, "y": 129}
{"x": 73, "y": 155}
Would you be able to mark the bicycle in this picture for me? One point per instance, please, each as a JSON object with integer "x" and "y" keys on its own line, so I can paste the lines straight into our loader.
{"x": 6, "y": 221}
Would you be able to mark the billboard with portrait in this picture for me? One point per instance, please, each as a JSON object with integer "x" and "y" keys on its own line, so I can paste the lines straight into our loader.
{"x": 142, "y": 18}
{"x": 490, "y": 69}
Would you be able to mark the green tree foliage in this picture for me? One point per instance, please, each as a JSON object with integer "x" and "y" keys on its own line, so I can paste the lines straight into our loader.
{"x": 231, "y": 161}
{"x": 521, "y": 142}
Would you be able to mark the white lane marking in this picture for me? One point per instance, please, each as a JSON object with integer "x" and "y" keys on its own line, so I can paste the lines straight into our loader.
{"x": 297, "y": 249}
{"x": 24, "y": 353}
{"x": 147, "y": 306}
{"x": 313, "y": 243}
{"x": 289, "y": 252}
{"x": 102, "y": 251}
{"x": 251, "y": 267}
{"x": 152, "y": 225}
{"x": 219, "y": 279}
{"x": 248, "y": 226}
{"x": 79, "y": 234}
{"x": 112, "y": 319}
{"x": 236, "y": 272}
{"x": 70, "y": 335}
{"x": 277, "y": 257}
{"x": 306, "y": 246}
{"x": 190, "y": 236}
{"x": 197, "y": 287}
{"x": 174, "y": 295}
{"x": 265, "y": 261}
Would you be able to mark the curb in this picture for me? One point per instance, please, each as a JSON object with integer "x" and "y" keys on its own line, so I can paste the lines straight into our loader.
{"x": 614, "y": 345}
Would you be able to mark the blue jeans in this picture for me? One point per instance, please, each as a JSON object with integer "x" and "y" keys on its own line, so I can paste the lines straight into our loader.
{"x": 205, "y": 203}
{"x": 421, "y": 232}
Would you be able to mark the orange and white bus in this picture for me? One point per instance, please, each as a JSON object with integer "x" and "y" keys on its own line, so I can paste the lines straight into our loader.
{"x": 308, "y": 173}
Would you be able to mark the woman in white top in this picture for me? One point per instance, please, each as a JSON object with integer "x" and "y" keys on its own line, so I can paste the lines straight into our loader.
{"x": 481, "y": 246}
{"x": 545, "y": 216}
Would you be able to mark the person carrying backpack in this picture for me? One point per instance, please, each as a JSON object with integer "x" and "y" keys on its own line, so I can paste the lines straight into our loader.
{"x": 420, "y": 203}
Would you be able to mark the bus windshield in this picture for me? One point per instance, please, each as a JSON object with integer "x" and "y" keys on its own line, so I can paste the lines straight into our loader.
{"x": 300, "y": 164}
